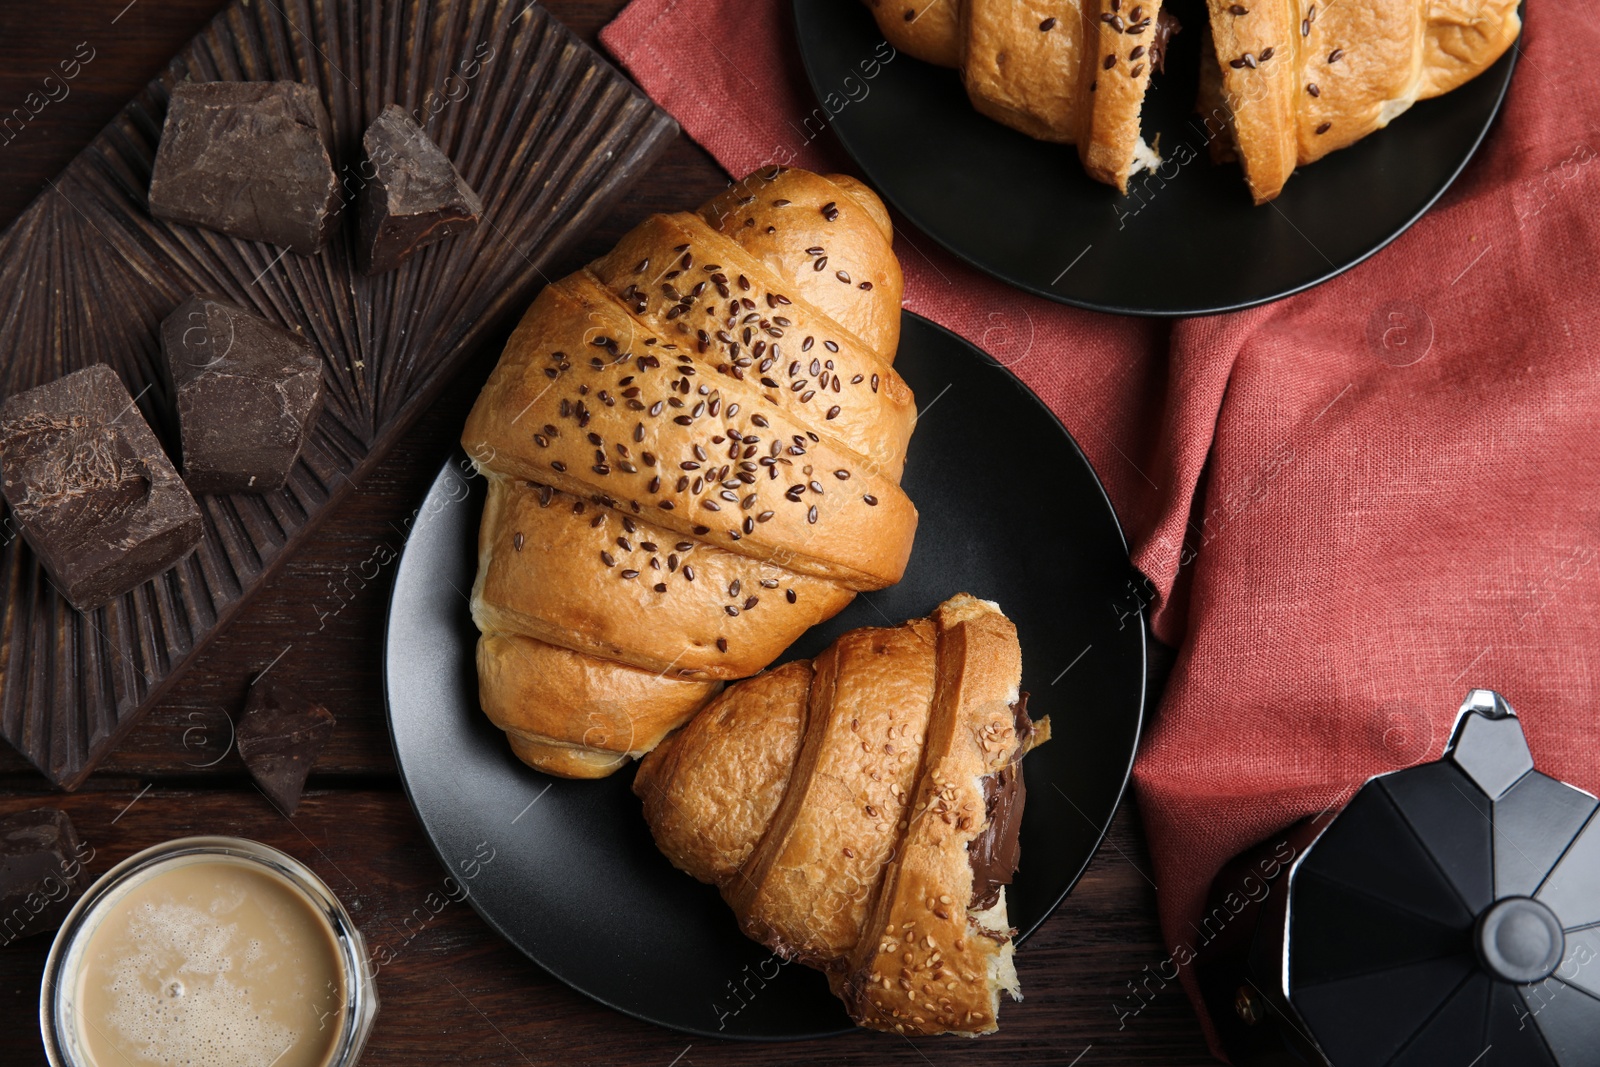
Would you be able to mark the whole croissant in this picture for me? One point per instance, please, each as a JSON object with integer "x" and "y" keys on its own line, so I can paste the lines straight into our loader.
{"x": 1281, "y": 84}
{"x": 860, "y": 812}
{"x": 693, "y": 450}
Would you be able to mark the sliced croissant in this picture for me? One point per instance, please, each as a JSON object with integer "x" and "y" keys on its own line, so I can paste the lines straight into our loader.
{"x": 859, "y": 812}
{"x": 693, "y": 451}
{"x": 1282, "y": 84}
{"x": 1300, "y": 80}
{"x": 1072, "y": 71}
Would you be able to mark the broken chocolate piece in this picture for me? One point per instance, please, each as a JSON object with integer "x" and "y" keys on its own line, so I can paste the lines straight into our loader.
{"x": 91, "y": 488}
{"x": 280, "y": 736}
{"x": 414, "y": 198}
{"x": 41, "y": 865}
{"x": 248, "y": 159}
{"x": 248, "y": 392}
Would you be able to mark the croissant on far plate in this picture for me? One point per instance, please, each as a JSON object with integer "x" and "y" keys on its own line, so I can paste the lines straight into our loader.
{"x": 693, "y": 450}
{"x": 1281, "y": 84}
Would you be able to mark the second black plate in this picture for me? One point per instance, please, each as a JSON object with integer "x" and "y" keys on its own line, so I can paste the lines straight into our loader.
{"x": 566, "y": 870}
{"x": 1184, "y": 241}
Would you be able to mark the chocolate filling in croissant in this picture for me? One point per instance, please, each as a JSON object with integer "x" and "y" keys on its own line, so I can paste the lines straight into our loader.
{"x": 1167, "y": 26}
{"x": 993, "y": 854}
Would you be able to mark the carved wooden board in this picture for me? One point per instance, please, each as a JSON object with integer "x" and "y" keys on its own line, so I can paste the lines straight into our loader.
{"x": 545, "y": 130}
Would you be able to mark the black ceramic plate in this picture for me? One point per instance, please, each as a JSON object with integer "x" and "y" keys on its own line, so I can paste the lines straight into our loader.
{"x": 1010, "y": 511}
{"x": 1186, "y": 241}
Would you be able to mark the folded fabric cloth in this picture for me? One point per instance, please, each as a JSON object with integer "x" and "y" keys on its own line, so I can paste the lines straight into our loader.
{"x": 1353, "y": 505}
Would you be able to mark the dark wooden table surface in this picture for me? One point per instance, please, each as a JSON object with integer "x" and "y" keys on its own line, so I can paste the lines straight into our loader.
{"x": 452, "y": 991}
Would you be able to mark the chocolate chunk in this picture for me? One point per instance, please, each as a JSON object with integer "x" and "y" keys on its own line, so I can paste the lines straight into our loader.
{"x": 280, "y": 735}
{"x": 248, "y": 159}
{"x": 41, "y": 864}
{"x": 91, "y": 488}
{"x": 414, "y": 197}
{"x": 248, "y": 392}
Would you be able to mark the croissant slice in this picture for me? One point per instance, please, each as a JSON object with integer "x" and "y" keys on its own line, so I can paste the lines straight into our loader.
{"x": 1071, "y": 71}
{"x": 860, "y": 813}
{"x": 807, "y": 890}
{"x": 1282, "y": 84}
{"x": 693, "y": 450}
{"x": 1303, "y": 79}
{"x": 930, "y": 925}
{"x": 711, "y": 789}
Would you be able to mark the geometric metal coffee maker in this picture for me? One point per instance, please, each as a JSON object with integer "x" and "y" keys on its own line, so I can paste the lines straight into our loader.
{"x": 1447, "y": 916}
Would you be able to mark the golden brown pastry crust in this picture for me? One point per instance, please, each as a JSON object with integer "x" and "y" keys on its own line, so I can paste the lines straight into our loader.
{"x": 889, "y": 734}
{"x": 576, "y": 710}
{"x": 1334, "y": 73}
{"x": 952, "y": 981}
{"x": 559, "y": 587}
{"x": 861, "y": 543}
{"x": 928, "y": 30}
{"x": 693, "y": 449}
{"x": 806, "y": 891}
{"x": 1038, "y": 67}
{"x": 875, "y": 423}
{"x": 778, "y": 215}
{"x": 710, "y": 789}
{"x": 1076, "y": 71}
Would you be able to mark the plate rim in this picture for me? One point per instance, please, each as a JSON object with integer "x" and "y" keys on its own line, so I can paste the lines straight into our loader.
{"x": 456, "y": 453}
{"x": 1514, "y": 53}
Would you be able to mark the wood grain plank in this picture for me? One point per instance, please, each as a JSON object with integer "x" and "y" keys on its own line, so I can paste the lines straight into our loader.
{"x": 102, "y": 273}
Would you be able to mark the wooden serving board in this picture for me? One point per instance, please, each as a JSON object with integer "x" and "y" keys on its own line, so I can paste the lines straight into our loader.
{"x": 547, "y": 132}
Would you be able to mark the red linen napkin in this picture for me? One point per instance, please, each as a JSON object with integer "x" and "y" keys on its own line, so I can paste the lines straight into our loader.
{"x": 1354, "y": 505}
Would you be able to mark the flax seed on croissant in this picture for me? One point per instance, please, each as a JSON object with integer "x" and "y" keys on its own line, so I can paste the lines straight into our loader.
{"x": 693, "y": 450}
{"x": 1072, "y": 71}
{"x": 859, "y": 812}
{"x": 1300, "y": 80}
{"x": 1282, "y": 84}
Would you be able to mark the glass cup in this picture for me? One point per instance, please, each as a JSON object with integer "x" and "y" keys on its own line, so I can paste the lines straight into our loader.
{"x": 59, "y": 1015}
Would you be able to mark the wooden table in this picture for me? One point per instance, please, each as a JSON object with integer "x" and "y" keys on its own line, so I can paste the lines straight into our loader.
{"x": 453, "y": 991}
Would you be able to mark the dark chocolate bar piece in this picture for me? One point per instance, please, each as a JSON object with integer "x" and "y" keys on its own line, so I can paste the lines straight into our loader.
{"x": 91, "y": 488}
{"x": 248, "y": 392}
{"x": 41, "y": 867}
{"x": 414, "y": 195}
{"x": 280, "y": 736}
{"x": 251, "y": 160}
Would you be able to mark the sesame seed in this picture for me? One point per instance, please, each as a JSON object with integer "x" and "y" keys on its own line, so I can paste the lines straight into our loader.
{"x": 1047, "y": 25}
